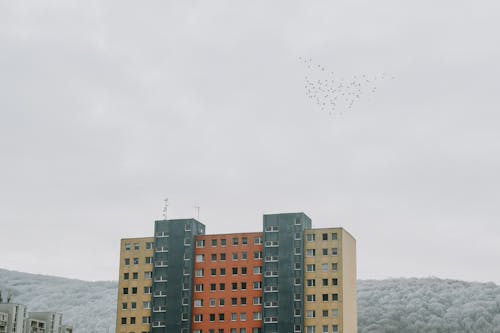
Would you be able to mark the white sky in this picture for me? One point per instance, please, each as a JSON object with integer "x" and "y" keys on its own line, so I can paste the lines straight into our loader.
{"x": 107, "y": 107}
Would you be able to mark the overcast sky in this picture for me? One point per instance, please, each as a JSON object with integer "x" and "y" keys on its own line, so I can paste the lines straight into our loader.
{"x": 106, "y": 108}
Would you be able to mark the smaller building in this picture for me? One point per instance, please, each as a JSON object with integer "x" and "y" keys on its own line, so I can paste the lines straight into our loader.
{"x": 32, "y": 325}
{"x": 16, "y": 313}
{"x": 53, "y": 320}
{"x": 4, "y": 317}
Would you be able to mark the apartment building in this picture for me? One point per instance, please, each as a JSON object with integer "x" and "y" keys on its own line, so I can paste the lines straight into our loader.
{"x": 135, "y": 284}
{"x": 287, "y": 277}
{"x": 53, "y": 320}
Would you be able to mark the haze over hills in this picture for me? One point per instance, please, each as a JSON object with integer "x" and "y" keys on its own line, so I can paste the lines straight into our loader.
{"x": 429, "y": 305}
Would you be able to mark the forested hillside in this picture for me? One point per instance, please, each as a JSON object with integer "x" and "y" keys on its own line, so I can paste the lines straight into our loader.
{"x": 385, "y": 306}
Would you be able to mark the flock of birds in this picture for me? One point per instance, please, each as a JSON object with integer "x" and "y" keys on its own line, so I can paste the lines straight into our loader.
{"x": 337, "y": 95}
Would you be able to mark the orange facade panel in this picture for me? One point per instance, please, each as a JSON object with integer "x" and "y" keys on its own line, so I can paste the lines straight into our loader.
{"x": 228, "y": 283}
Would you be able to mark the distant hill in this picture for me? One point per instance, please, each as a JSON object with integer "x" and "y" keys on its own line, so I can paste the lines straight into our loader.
{"x": 428, "y": 305}
{"x": 89, "y": 306}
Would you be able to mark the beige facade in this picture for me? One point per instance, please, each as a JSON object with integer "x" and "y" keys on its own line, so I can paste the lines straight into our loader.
{"x": 135, "y": 285}
{"x": 330, "y": 281}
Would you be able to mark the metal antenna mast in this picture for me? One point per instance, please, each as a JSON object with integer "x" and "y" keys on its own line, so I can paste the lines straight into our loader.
{"x": 165, "y": 207}
{"x": 197, "y": 207}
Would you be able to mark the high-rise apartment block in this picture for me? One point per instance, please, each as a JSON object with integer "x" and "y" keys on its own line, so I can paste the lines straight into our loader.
{"x": 286, "y": 278}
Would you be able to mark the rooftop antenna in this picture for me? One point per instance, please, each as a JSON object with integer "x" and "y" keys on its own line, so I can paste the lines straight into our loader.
{"x": 165, "y": 209}
{"x": 197, "y": 207}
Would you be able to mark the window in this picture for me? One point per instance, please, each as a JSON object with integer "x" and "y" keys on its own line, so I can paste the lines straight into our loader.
{"x": 124, "y": 306}
{"x": 324, "y": 236}
{"x": 234, "y": 301}
{"x": 325, "y": 313}
{"x": 234, "y": 270}
{"x": 149, "y": 245}
{"x": 310, "y": 237}
{"x": 257, "y": 285}
{"x": 148, "y": 260}
{"x": 243, "y": 271}
{"x": 257, "y": 255}
{"x": 133, "y": 305}
{"x": 124, "y": 320}
{"x": 298, "y": 251}
{"x": 234, "y": 256}
{"x": 324, "y": 297}
{"x": 335, "y": 328}
{"x": 148, "y": 290}
{"x": 136, "y": 246}
{"x": 243, "y": 316}
{"x": 214, "y": 242}
{"x": 335, "y": 313}
{"x": 222, "y": 286}
{"x": 324, "y": 267}
{"x": 198, "y": 303}
{"x": 200, "y": 258}
{"x": 335, "y": 297}
{"x": 198, "y": 318}
{"x": 187, "y": 227}
{"x": 200, "y": 243}
{"x": 211, "y": 302}
{"x": 132, "y": 320}
{"x": 311, "y": 282}
{"x": 335, "y": 282}
{"x": 198, "y": 287}
{"x": 136, "y": 261}
{"x": 298, "y": 236}
{"x": 235, "y": 241}
{"x": 311, "y": 298}
{"x": 234, "y": 286}
{"x": 222, "y": 271}
{"x": 125, "y": 291}
{"x": 213, "y": 257}
{"x": 221, "y": 317}
{"x": 272, "y": 228}
{"x": 135, "y": 275}
{"x": 146, "y": 320}
{"x": 311, "y": 267}
{"x": 198, "y": 273}
{"x": 257, "y": 300}
{"x": 325, "y": 328}
{"x": 213, "y": 271}
{"x": 126, "y": 261}
{"x": 125, "y": 276}
{"x": 234, "y": 316}
{"x": 310, "y": 314}
{"x": 223, "y": 242}
{"x": 311, "y": 252}
{"x": 257, "y": 240}
{"x": 334, "y": 267}
{"x": 146, "y": 305}
{"x": 310, "y": 329}
{"x": 243, "y": 286}
{"x": 127, "y": 247}
{"x": 221, "y": 301}
{"x": 134, "y": 290}
{"x": 244, "y": 256}
{"x": 257, "y": 316}
{"x": 244, "y": 240}
{"x": 257, "y": 270}
{"x": 222, "y": 256}
{"x": 335, "y": 251}
{"x": 243, "y": 301}
{"x": 211, "y": 317}
{"x": 297, "y": 281}
{"x": 324, "y": 252}
{"x": 213, "y": 286}
{"x": 334, "y": 236}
